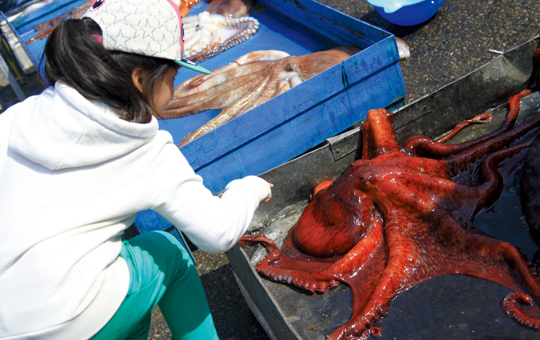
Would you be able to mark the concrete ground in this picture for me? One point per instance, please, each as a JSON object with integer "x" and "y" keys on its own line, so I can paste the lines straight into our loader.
{"x": 460, "y": 38}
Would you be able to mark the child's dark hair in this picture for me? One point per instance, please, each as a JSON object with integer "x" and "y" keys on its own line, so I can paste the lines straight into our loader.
{"x": 73, "y": 56}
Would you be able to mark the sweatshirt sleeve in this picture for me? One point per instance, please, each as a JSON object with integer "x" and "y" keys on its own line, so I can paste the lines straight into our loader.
{"x": 214, "y": 224}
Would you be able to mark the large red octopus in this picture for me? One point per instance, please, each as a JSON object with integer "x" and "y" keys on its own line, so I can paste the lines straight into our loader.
{"x": 400, "y": 216}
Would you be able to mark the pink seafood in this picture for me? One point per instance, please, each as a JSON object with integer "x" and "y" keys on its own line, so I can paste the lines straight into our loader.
{"x": 246, "y": 83}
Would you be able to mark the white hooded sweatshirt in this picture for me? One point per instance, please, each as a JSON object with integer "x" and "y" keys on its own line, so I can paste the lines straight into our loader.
{"x": 72, "y": 177}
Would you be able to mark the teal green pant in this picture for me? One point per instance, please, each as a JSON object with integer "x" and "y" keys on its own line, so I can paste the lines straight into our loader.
{"x": 161, "y": 272}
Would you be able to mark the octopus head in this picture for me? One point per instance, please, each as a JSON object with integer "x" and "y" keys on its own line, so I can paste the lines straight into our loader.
{"x": 334, "y": 221}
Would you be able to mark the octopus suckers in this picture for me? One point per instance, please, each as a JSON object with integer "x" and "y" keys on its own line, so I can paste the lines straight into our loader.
{"x": 207, "y": 34}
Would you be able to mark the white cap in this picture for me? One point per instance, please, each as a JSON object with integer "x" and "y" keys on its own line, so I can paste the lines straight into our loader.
{"x": 148, "y": 27}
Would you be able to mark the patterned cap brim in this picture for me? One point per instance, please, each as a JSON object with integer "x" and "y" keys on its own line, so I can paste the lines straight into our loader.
{"x": 192, "y": 66}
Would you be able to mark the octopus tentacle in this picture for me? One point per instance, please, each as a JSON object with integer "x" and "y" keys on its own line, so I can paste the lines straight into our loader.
{"x": 394, "y": 280}
{"x": 246, "y": 26}
{"x": 493, "y": 178}
{"x": 512, "y": 310}
{"x": 204, "y": 90}
{"x": 212, "y": 99}
{"x": 381, "y": 134}
{"x": 519, "y": 271}
{"x": 498, "y": 261}
{"x": 208, "y": 34}
{"x": 371, "y": 128}
{"x": 482, "y": 118}
{"x": 312, "y": 280}
{"x": 274, "y": 86}
{"x": 240, "y": 105}
{"x": 231, "y": 111}
{"x": 459, "y": 161}
{"x": 230, "y": 71}
{"x": 427, "y": 147}
{"x": 259, "y": 238}
{"x": 213, "y": 90}
{"x": 214, "y": 80}
{"x": 321, "y": 187}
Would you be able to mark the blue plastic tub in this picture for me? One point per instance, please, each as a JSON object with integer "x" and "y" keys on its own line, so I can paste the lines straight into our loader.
{"x": 406, "y": 12}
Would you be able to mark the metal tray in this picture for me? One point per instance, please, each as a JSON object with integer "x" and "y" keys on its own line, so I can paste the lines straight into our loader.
{"x": 445, "y": 307}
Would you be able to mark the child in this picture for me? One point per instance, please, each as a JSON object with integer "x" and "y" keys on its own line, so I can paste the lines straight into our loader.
{"x": 77, "y": 163}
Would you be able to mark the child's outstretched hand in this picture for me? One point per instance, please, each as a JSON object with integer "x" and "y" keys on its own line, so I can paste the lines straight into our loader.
{"x": 269, "y": 197}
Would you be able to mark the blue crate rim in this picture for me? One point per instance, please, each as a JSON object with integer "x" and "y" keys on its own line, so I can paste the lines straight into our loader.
{"x": 301, "y": 5}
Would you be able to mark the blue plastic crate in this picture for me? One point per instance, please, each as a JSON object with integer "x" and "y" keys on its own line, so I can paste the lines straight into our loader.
{"x": 302, "y": 117}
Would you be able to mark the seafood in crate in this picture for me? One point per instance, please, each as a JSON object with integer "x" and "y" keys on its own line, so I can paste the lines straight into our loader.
{"x": 47, "y": 27}
{"x": 222, "y": 25}
{"x": 246, "y": 83}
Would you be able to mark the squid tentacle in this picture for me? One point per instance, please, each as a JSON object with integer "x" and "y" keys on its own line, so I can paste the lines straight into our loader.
{"x": 229, "y": 113}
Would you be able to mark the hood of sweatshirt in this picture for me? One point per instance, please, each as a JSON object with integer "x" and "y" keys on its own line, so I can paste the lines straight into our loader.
{"x": 60, "y": 129}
